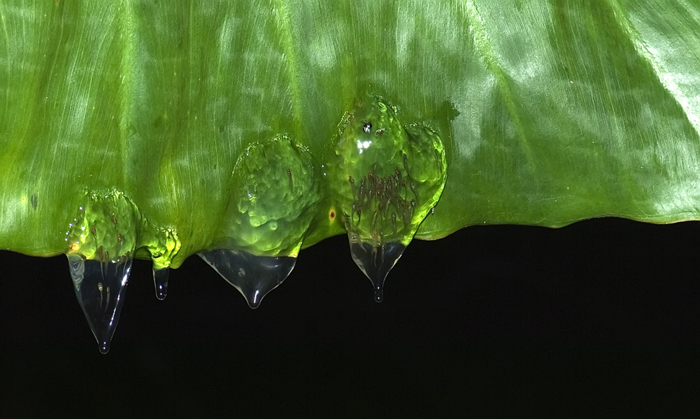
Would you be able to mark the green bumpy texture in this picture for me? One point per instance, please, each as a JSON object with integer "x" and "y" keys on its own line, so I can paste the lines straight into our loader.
{"x": 105, "y": 228}
{"x": 385, "y": 177}
{"x": 276, "y": 192}
{"x": 549, "y": 112}
{"x": 108, "y": 227}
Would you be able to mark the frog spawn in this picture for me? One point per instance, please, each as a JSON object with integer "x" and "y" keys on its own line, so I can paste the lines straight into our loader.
{"x": 395, "y": 207}
{"x": 275, "y": 196}
{"x": 386, "y": 178}
{"x": 102, "y": 240}
{"x": 163, "y": 246}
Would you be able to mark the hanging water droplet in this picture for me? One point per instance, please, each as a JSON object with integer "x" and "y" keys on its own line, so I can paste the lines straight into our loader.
{"x": 254, "y": 276}
{"x": 376, "y": 262}
{"x": 100, "y": 288}
{"x": 160, "y": 282}
{"x": 393, "y": 176}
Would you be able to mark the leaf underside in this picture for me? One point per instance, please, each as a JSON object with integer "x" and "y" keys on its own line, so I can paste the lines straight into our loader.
{"x": 550, "y": 111}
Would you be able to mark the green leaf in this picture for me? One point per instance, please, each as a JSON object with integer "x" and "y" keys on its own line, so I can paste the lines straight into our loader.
{"x": 550, "y": 111}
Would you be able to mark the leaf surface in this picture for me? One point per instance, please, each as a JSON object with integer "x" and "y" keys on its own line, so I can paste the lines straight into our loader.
{"x": 550, "y": 111}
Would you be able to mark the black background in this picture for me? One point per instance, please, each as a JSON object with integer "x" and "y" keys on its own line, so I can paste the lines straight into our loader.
{"x": 595, "y": 319}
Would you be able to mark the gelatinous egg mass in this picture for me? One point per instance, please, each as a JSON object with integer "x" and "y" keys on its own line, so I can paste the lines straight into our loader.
{"x": 385, "y": 179}
{"x": 102, "y": 238}
{"x": 104, "y": 228}
{"x": 276, "y": 193}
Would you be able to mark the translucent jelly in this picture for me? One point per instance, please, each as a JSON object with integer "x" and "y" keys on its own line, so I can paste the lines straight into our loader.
{"x": 102, "y": 239}
{"x": 100, "y": 287}
{"x": 275, "y": 196}
{"x": 385, "y": 179}
{"x": 253, "y": 276}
